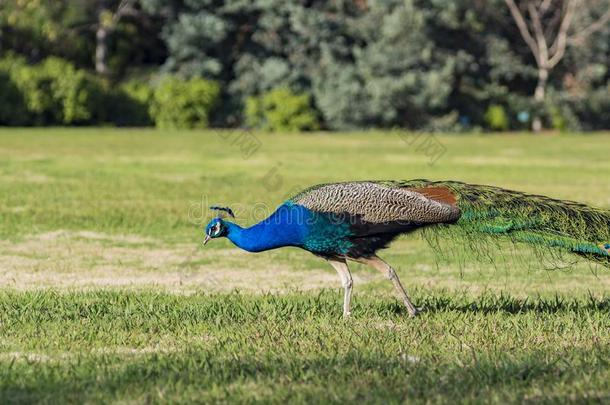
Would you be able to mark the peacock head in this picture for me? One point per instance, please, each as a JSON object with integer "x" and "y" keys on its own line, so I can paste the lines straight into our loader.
{"x": 217, "y": 227}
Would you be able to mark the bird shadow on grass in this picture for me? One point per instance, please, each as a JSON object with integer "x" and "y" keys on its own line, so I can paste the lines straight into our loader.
{"x": 487, "y": 304}
{"x": 327, "y": 303}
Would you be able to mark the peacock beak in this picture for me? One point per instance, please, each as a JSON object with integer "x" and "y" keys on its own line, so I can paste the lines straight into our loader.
{"x": 207, "y": 238}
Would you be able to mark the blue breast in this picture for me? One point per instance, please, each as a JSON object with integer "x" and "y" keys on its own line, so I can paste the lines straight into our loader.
{"x": 294, "y": 225}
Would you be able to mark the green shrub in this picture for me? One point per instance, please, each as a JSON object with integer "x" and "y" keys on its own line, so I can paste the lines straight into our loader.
{"x": 496, "y": 118}
{"x": 594, "y": 108}
{"x": 581, "y": 111}
{"x": 558, "y": 119}
{"x": 138, "y": 90}
{"x": 55, "y": 92}
{"x": 12, "y": 105}
{"x": 11, "y": 62}
{"x": 255, "y": 117}
{"x": 129, "y": 104}
{"x": 281, "y": 110}
{"x": 139, "y": 97}
{"x": 179, "y": 103}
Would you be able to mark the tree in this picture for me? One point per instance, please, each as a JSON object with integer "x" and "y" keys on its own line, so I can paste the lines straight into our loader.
{"x": 107, "y": 21}
{"x": 548, "y": 27}
{"x": 38, "y": 29}
{"x": 106, "y": 35}
{"x": 394, "y": 75}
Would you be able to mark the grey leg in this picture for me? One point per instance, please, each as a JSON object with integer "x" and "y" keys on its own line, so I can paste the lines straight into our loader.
{"x": 346, "y": 282}
{"x": 380, "y": 265}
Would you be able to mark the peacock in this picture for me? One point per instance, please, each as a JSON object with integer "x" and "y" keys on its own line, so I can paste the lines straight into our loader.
{"x": 354, "y": 220}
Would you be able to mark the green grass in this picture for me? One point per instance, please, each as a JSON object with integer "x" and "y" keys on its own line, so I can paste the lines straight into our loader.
{"x": 107, "y": 294}
{"x": 151, "y": 346}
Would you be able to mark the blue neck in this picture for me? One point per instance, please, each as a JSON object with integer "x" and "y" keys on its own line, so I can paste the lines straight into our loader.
{"x": 285, "y": 227}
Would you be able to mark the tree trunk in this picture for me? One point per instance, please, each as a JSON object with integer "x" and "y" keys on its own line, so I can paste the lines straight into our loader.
{"x": 101, "y": 50}
{"x": 539, "y": 94}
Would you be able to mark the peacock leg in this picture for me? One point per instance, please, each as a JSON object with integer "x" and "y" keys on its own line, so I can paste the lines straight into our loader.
{"x": 346, "y": 281}
{"x": 377, "y": 263}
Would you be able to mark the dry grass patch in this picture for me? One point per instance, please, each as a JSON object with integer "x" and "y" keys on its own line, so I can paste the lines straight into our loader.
{"x": 68, "y": 260}
{"x": 88, "y": 260}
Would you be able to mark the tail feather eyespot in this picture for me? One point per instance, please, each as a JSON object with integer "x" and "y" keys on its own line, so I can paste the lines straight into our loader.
{"x": 606, "y": 246}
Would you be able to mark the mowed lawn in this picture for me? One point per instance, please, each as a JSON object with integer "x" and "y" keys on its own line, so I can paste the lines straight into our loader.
{"x": 106, "y": 293}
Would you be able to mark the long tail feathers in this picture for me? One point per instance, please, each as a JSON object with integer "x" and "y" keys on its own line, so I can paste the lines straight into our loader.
{"x": 535, "y": 220}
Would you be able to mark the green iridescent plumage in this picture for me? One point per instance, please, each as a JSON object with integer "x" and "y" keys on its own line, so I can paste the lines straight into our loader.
{"x": 539, "y": 221}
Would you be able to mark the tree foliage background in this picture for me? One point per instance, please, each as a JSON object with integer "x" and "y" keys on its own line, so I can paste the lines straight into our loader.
{"x": 432, "y": 64}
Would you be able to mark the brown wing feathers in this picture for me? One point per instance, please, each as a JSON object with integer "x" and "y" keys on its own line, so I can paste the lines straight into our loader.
{"x": 380, "y": 203}
{"x": 439, "y": 194}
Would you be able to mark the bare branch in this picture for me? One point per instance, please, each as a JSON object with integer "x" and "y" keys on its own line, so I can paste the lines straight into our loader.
{"x": 523, "y": 28}
{"x": 552, "y": 23}
{"x": 543, "y": 49}
{"x": 559, "y": 46}
{"x": 125, "y": 8}
{"x": 544, "y": 6}
{"x": 596, "y": 26}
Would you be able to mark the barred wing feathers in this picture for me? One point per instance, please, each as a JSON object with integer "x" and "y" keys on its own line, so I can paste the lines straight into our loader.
{"x": 378, "y": 202}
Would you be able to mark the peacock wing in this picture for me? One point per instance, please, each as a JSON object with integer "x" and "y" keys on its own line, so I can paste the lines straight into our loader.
{"x": 383, "y": 202}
